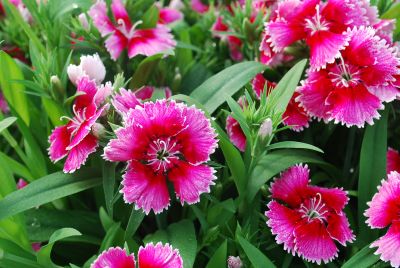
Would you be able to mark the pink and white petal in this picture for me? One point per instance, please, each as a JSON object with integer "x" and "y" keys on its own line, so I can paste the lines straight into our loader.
{"x": 389, "y": 245}
{"x": 283, "y": 221}
{"x": 120, "y": 14}
{"x": 282, "y": 34}
{"x": 235, "y": 133}
{"x": 258, "y": 84}
{"x": 98, "y": 13}
{"x": 191, "y": 181}
{"x": 149, "y": 42}
{"x": 159, "y": 256}
{"x": 198, "y": 6}
{"x": 325, "y": 47}
{"x": 292, "y": 185}
{"x": 392, "y": 160}
{"x": 334, "y": 198}
{"x": 354, "y": 106}
{"x": 295, "y": 115}
{"x": 86, "y": 90}
{"x": 115, "y": 44}
{"x": 146, "y": 189}
{"x": 169, "y": 15}
{"x": 125, "y": 100}
{"x": 313, "y": 94}
{"x": 103, "y": 92}
{"x": 114, "y": 258}
{"x": 130, "y": 144}
{"x": 383, "y": 208}
{"x": 59, "y": 141}
{"x": 386, "y": 93}
{"x": 77, "y": 156}
{"x": 314, "y": 243}
{"x": 339, "y": 228}
{"x": 198, "y": 140}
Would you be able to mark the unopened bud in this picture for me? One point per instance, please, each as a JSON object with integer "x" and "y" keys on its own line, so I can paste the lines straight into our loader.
{"x": 234, "y": 262}
{"x": 83, "y": 20}
{"x": 56, "y": 86}
{"x": 265, "y": 128}
{"x": 90, "y": 66}
{"x": 98, "y": 130}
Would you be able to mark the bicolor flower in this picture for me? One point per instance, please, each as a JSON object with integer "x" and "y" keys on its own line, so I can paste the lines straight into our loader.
{"x": 318, "y": 24}
{"x": 169, "y": 15}
{"x": 392, "y": 160}
{"x": 126, "y": 35}
{"x": 76, "y": 140}
{"x": 90, "y": 66}
{"x": 384, "y": 211}
{"x": 308, "y": 219}
{"x": 161, "y": 141}
{"x": 154, "y": 256}
{"x": 353, "y": 89}
{"x": 198, "y": 6}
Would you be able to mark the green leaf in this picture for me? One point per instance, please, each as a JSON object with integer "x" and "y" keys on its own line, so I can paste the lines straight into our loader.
{"x": 293, "y": 145}
{"x": 214, "y": 91}
{"x": 218, "y": 260}
{"x": 274, "y": 162}
{"x": 6, "y": 122}
{"x": 256, "y": 257}
{"x": 372, "y": 171}
{"x": 283, "y": 92}
{"x": 108, "y": 185}
{"x": 183, "y": 237}
{"x": 13, "y": 92}
{"x": 365, "y": 258}
{"x": 43, "y": 256}
{"x": 150, "y": 18}
{"x": 393, "y": 12}
{"x": 144, "y": 70}
{"x": 134, "y": 222}
{"x": 47, "y": 189}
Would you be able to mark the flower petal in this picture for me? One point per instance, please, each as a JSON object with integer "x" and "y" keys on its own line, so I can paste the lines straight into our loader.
{"x": 389, "y": 245}
{"x": 115, "y": 44}
{"x": 393, "y": 161}
{"x": 77, "y": 156}
{"x": 235, "y": 133}
{"x": 98, "y": 12}
{"x": 114, "y": 258}
{"x": 59, "y": 141}
{"x": 159, "y": 256}
{"x": 339, "y": 228}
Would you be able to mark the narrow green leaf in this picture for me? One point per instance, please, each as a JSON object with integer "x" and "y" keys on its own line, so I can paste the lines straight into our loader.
{"x": 134, "y": 222}
{"x": 183, "y": 237}
{"x": 218, "y": 260}
{"x": 13, "y": 92}
{"x": 6, "y": 122}
{"x": 372, "y": 171}
{"x": 293, "y": 145}
{"x": 365, "y": 258}
{"x": 274, "y": 162}
{"x": 47, "y": 189}
{"x": 393, "y": 12}
{"x": 144, "y": 70}
{"x": 213, "y": 92}
{"x": 281, "y": 95}
{"x": 150, "y": 18}
{"x": 256, "y": 257}
{"x": 108, "y": 185}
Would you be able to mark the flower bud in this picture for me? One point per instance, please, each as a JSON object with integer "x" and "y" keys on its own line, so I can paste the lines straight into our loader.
{"x": 83, "y": 20}
{"x": 56, "y": 86}
{"x": 265, "y": 128}
{"x": 90, "y": 66}
{"x": 234, "y": 262}
{"x": 21, "y": 183}
{"x": 98, "y": 130}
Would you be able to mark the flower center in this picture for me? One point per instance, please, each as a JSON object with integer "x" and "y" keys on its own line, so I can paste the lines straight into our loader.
{"x": 316, "y": 23}
{"x": 314, "y": 208}
{"x": 129, "y": 32}
{"x": 344, "y": 75}
{"x": 161, "y": 153}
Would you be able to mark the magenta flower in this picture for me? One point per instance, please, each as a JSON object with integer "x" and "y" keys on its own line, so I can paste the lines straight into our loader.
{"x": 198, "y": 6}
{"x": 125, "y": 35}
{"x": 392, "y": 160}
{"x": 164, "y": 140}
{"x": 235, "y": 133}
{"x": 4, "y": 108}
{"x": 234, "y": 43}
{"x": 352, "y": 89}
{"x": 76, "y": 140}
{"x": 169, "y": 15}
{"x": 114, "y": 258}
{"x": 307, "y": 219}
{"x": 318, "y": 24}
{"x": 384, "y": 211}
{"x": 21, "y": 183}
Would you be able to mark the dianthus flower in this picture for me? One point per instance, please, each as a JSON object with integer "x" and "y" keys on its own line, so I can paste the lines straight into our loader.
{"x": 76, "y": 140}
{"x": 150, "y": 256}
{"x": 384, "y": 211}
{"x": 307, "y": 219}
{"x": 392, "y": 160}
{"x": 146, "y": 42}
{"x": 164, "y": 140}
{"x": 353, "y": 88}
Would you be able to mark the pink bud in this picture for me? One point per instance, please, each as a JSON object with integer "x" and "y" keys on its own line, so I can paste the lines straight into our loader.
{"x": 83, "y": 20}
{"x": 21, "y": 183}
{"x": 265, "y": 128}
{"x": 234, "y": 262}
{"x": 90, "y": 66}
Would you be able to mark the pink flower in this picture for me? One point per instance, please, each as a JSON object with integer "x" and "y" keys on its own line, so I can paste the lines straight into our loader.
{"x": 199, "y": 7}
{"x": 150, "y": 256}
{"x": 168, "y": 15}
{"x": 146, "y": 42}
{"x": 307, "y": 219}
{"x": 384, "y": 211}
{"x": 114, "y": 258}
{"x": 234, "y": 43}
{"x": 3, "y": 104}
{"x": 352, "y": 89}
{"x": 294, "y": 116}
{"x": 393, "y": 160}
{"x": 318, "y": 24}
{"x": 21, "y": 183}
{"x": 36, "y": 246}
{"x": 164, "y": 140}
{"x": 234, "y": 262}
{"x": 235, "y": 133}
{"x": 75, "y": 140}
